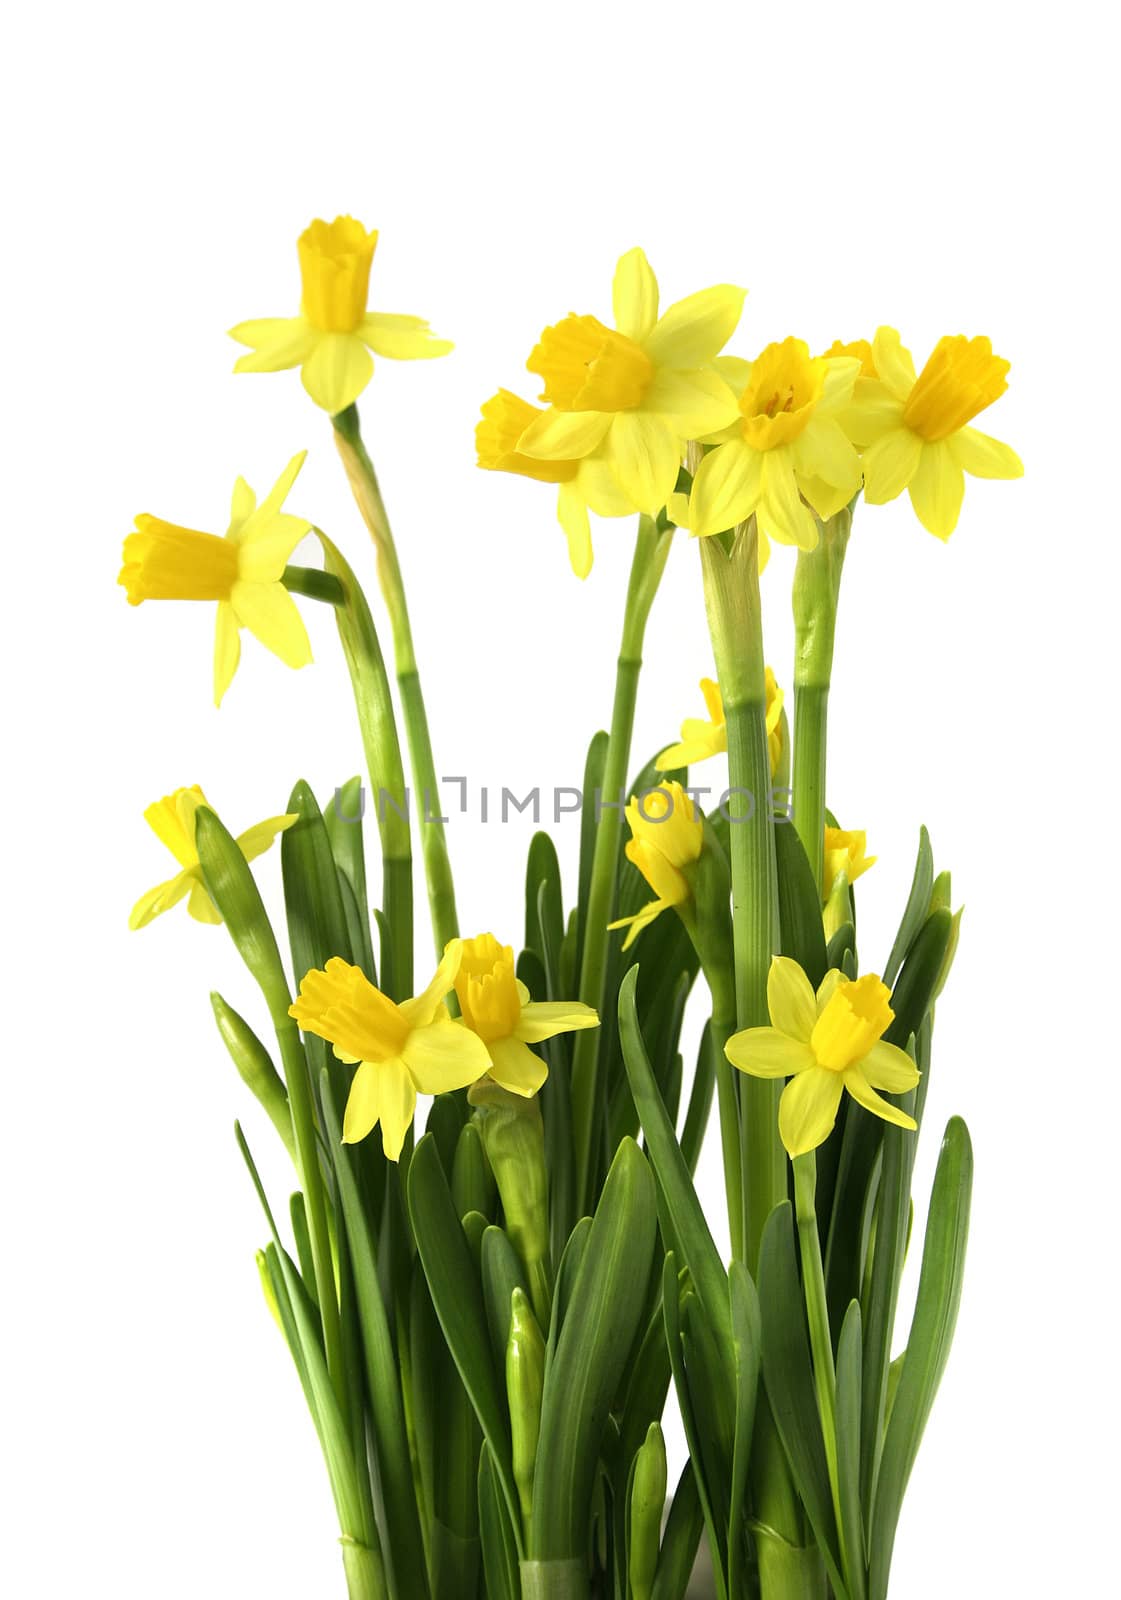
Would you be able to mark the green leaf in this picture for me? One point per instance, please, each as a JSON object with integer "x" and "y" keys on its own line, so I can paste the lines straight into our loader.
{"x": 682, "y": 1535}
{"x": 544, "y": 907}
{"x": 500, "y": 1551}
{"x": 711, "y": 1496}
{"x": 317, "y": 927}
{"x": 342, "y": 817}
{"x": 848, "y": 1413}
{"x": 593, "y": 785}
{"x": 747, "y": 1338}
{"x": 473, "y": 1186}
{"x": 799, "y": 906}
{"x": 700, "y": 1100}
{"x": 584, "y": 1372}
{"x": 928, "y": 1347}
{"x": 502, "y": 1273}
{"x": 572, "y": 1258}
{"x": 918, "y": 904}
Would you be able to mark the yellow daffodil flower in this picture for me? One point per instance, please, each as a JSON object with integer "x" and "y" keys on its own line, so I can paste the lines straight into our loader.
{"x": 636, "y": 392}
{"x": 915, "y": 429}
{"x": 330, "y": 341}
{"x": 172, "y": 820}
{"x": 242, "y": 571}
{"x": 398, "y": 1049}
{"x": 667, "y": 836}
{"x": 497, "y": 1007}
{"x": 788, "y": 447}
{"x": 860, "y": 349}
{"x": 700, "y": 739}
{"x": 582, "y": 484}
{"x": 824, "y": 1043}
{"x": 844, "y": 852}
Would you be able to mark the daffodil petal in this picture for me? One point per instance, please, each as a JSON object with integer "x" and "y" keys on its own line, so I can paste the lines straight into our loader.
{"x": 641, "y": 919}
{"x": 267, "y": 546}
{"x": 445, "y": 1055}
{"x": 634, "y": 295}
{"x": 599, "y": 488}
{"x": 781, "y": 513}
{"x": 862, "y": 1092}
{"x": 227, "y": 649}
{"x": 693, "y": 331}
{"x": 726, "y": 488}
{"x": 790, "y": 999}
{"x": 985, "y": 457}
{"x": 808, "y": 1109}
{"x": 572, "y": 514}
{"x": 515, "y": 1066}
{"x": 890, "y": 464}
{"x": 699, "y": 741}
{"x": 893, "y": 362}
{"x": 873, "y": 411}
{"x": 767, "y": 1053}
{"x": 336, "y": 371}
{"x": 427, "y": 1005}
{"x": 257, "y": 839}
{"x": 887, "y": 1067}
{"x": 362, "y": 1104}
{"x": 277, "y": 343}
{"x": 272, "y": 616}
{"x": 735, "y": 371}
{"x": 201, "y": 906}
{"x": 161, "y": 899}
{"x": 645, "y": 455}
{"x": 401, "y": 338}
{"x": 281, "y": 489}
{"x": 827, "y": 987}
{"x": 564, "y": 435}
{"x": 937, "y": 489}
{"x": 694, "y": 403}
{"x": 242, "y": 504}
{"x": 544, "y": 1019}
{"x": 823, "y": 453}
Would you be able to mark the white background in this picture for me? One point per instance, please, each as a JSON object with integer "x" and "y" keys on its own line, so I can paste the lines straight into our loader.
{"x": 941, "y": 168}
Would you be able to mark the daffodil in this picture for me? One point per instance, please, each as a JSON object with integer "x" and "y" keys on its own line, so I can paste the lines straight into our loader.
{"x": 581, "y": 484}
{"x": 845, "y": 852}
{"x": 787, "y": 447}
{"x": 330, "y": 341}
{"x": 636, "y": 392}
{"x": 497, "y": 1007}
{"x": 916, "y": 429}
{"x": 700, "y": 739}
{"x": 172, "y": 820}
{"x": 398, "y": 1048}
{"x": 242, "y": 571}
{"x": 825, "y": 1043}
{"x": 860, "y": 350}
{"x": 667, "y": 836}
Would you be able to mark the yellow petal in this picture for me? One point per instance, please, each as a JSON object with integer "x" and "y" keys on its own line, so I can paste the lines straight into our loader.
{"x": 767, "y": 1053}
{"x": 890, "y": 464}
{"x": 445, "y": 1055}
{"x": 699, "y": 741}
{"x": 276, "y": 342}
{"x": 827, "y": 466}
{"x": 161, "y": 898}
{"x": 600, "y": 489}
{"x": 790, "y": 999}
{"x": 983, "y": 456}
{"x": 544, "y": 1019}
{"x": 694, "y": 403}
{"x": 362, "y": 1105}
{"x": 572, "y": 514}
{"x": 267, "y": 546}
{"x": 808, "y": 1109}
{"x": 937, "y": 489}
{"x": 257, "y": 839}
{"x": 515, "y": 1066}
{"x": 726, "y": 488}
{"x": 564, "y": 435}
{"x": 272, "y": 616}
{"x": 781, "y": 513}
{"x": 337, "y": 371}
{"x": 428, "y": 1004}
{"x": 634, "y": 295}
{"x": 694, "y": 331}
{"x": 242, "y": 504}
{"x": 887, "y": 1067}
{"x": 401, "y": 338}
{"x": 893, "y": 362}
{"x": 201, "y": 906}
{"x": 861, "y": 1090}
{"x": 641, "y": 919}
{"x": 873, "y": 411}
{"x": 227, "y": 649}
{"x": 172, "y": 820}
{"x": 645, "y": 453}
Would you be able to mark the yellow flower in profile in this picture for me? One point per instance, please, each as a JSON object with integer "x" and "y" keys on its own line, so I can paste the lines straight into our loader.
{"x": 916, "y": 429}
{"x": 844, "y": 852}
{"x": 636, "y": 392}
{"x": 398, "y": 1049}
{"x": 860, "y": 349}
{"x": 787, "y": 448}
{"x": 330, "y": 341}
{"x": 583, "y": 484}
{"x": 497, "y": 1007}
{"x": 700, "y": 739}
{"x": 242, "y": 571}
{"x": 667, "y": 836}
{"x": 172, "y": 820}
{"x": 824, "y": 1043}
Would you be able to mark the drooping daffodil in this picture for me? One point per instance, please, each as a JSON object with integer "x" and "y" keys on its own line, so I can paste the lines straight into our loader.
{"x": 700, "y": 739}
{"x": 330, "y": 341}
{"x": 399, "y": 1049}
{"x": 825, "y": 1043}
{"x": 667, "y": 837}
{"x": 172, "y": 820}
{"x": 582, "y": 485}
{"x": 497, "y": 1007}
{"x": 915, "y": 429}
{"x": 637, "y": 392}
{"x": 845, "y": 851}
{"x": 242, "y": 570}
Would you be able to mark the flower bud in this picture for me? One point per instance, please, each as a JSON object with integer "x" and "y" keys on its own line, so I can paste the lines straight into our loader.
{"x": 648, "y": 1498}
{"x": 525, "y": 1381}
{"x": 255, "y": 1067}
{"x": 514, "y": 1140}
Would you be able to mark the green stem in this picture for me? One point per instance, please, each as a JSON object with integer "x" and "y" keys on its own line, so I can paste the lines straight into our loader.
{"x": 314, "y": 585}
{"x": 367, "y": 493}
{"x": 722, "y": 1025}
{"x": 811, "y": 709}
{"x": 555, "y": 1580}
{"x": 651, "y": 551}
{"x": 365, "y": 1575}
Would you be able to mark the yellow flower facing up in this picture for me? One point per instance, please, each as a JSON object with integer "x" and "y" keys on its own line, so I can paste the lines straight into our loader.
{"x": 583, "y": 484}
{"x": 330, "y": 341}
{"x": 172, "y": 820}
{"x": 845, "y": 852}
{"x": 398, "y": 1049}
{"x": 824, "y": 1043}
{"x": 916, "y": 431}
{"x": 636, "y": 392}
{"x": 667, "y": 836}
{"x": 787, "y": 448}
{"x": 700, "y": 739}
{"x": 241, "y": 571}
{"x": 497, "y": 1007}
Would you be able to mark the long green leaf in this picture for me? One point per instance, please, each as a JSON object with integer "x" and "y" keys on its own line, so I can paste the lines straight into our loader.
{"x": 710, "y": 1495}
{"x": 747, "y": 1338}
{"x": 848, "y": 1414}
{"x": 918, "y": 904}
{"x": 682, "y": 1535}
{"x": 500, "y": 1551}
{"x": 799, "y": 905}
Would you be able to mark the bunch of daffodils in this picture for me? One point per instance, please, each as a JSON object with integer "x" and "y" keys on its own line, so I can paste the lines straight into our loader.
{"x": 496, "y": 1264}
